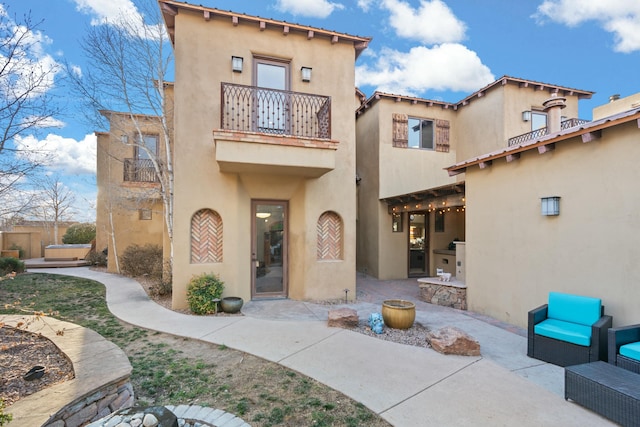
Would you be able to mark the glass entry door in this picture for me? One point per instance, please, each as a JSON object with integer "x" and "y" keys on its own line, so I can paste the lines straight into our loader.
{"x": 269, "y": 249}
{"x": 418, "y": 250}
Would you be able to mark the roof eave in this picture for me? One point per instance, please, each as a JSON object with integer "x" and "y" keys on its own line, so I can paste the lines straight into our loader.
{"x": 548, "y": 141}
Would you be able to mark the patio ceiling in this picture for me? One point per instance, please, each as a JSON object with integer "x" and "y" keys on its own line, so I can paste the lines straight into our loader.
{"x": 433, "y": 198}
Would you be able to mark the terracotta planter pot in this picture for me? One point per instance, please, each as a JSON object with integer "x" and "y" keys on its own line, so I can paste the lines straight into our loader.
{"x": 398, "y": 314}
{"x": 231, "y": 304}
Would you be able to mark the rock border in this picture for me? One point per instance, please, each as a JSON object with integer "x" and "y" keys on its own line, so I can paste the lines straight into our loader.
{"x": 101, "y": 384}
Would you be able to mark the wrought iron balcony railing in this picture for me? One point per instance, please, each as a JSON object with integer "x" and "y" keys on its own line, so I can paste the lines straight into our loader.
{"x": 271, "y": 111}
{"x": 538, "y": 133}
{"x": 139, "y": 170}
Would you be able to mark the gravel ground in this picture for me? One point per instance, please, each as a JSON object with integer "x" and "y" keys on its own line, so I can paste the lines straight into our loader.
{"x": 416, "y": 335}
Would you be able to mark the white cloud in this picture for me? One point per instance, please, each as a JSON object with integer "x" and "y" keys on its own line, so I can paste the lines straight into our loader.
{"x": 120, "y": 13}
{"x": 365, "y": 4}
{"x": 76, "y": 70}
{"x": 444, "y": 67}
{"x": 620, "y": 17}
{"x": 312, "y": 8}
{"x": 47, "y": 122}
{"x": 106, "y": 10}
{"x": 431, "y": 23}
{"x": 29, "y": 70}
{"x": 60, "y": 153}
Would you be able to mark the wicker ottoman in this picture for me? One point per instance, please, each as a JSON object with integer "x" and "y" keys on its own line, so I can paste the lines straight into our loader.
{"x": 610, "y": 391}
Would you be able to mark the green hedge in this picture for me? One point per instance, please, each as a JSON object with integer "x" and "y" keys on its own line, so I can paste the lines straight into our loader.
{"x": 9, "y": 265}
{"x": 201, "y": 292}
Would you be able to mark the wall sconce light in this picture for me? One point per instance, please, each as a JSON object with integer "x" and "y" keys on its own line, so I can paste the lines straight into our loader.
{"x": 124, "y": 139}
{"x": 306, "y": 74}
{"x": 236, "y": 64}
{"x": 550, "y": 206}
{"x": 526, "y": 116}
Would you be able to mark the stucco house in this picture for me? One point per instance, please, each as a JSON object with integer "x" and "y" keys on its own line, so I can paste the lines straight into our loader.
{"x": 129, "y": 209}
{"x": 556, "y": 211}
{"x": 265, "y": 175}
{"x": 410, "y": 210}
{"x": 282, "y": 193}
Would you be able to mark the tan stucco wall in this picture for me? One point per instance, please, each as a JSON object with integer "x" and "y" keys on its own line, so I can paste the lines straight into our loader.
{"x": 203, "y": 53}
{"x": 483, "y": 125}
{"x": 487, "y": 123}
{"x": 46, "y": 236}
{"x": 119, "y": 202}
{"x": 515, "y": 256}
{"x": 29, "y": 242}
{"x": 370, "y": 209}
{"x": 404, "y": 170}
{"x": 617, "y": 106}
{"x": 388, "y": 171}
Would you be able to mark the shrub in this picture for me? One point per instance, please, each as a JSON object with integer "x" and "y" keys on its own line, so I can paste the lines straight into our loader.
{"x": 144, "y": 260}
{"x": 79, "y": 233}
{"x": 164, "y": 285}
{"x": 97, "y": 258}
{"x": 201, "y": 292}
{"x": 9, "y": 265}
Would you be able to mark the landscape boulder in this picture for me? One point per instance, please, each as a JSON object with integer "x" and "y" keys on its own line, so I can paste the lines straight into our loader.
{"x": 343, "y": 318}
{"x": 451, "y": 340}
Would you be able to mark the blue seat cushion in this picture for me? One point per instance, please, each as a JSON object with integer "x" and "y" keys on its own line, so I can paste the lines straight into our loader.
{"x": 565, "y": 331}
{"x": 631, "y": 350}
{"x": 574, "y": 308}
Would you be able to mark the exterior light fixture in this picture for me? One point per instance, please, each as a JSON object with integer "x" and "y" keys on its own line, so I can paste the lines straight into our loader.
{"x": 550, "y": 206}
{"x": 306, "y": 74}
{"x": 124, "y": 139}
{"x": 526, "y": 116}
{"x": 236, "y": 64}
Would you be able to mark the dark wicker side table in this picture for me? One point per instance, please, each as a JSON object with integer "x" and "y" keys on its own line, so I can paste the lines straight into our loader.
{"x": 606, "y": 389}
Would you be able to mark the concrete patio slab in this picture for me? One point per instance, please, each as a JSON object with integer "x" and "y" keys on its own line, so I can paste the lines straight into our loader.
{"x": 380, "y": 373}
{"x": 485, "y": 394}
{"x": 271, "y": 339}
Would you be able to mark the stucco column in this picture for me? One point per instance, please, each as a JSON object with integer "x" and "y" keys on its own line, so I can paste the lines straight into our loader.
{"x": 553, "y": 107}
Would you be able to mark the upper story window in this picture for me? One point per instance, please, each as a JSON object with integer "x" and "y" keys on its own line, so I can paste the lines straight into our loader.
{"x": 151, "y": 143}
{"x": 141, "y": 168}
{"x": 538, "y": 120}
{"x": 427, "y": 134}
{"x": 421, "y": 133}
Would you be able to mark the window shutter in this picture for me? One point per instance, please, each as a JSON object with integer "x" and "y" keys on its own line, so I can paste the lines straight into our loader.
{"x": 400, "y": 130}
{"x": 442, "y": 136}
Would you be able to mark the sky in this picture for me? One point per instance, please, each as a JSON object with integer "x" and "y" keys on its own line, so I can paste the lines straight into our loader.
{"x": 434, "y": 49}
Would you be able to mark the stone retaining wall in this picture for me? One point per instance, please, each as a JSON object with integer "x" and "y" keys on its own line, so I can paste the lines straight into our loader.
{"x": 99, "y": 404}
{"x": 101, "y": 384}
{"x": 448, "y": 294}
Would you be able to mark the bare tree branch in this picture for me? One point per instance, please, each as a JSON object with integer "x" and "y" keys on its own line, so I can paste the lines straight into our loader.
{"x": 26, "y": 105}
{"x": 130, "y": 60}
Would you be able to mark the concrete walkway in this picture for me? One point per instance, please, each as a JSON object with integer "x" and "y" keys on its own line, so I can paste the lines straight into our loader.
{"x": 405, "y": 385}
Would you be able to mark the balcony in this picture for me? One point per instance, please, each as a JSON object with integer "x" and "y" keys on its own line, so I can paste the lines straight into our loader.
{"x": 139, "y": 170}
{"x": 539, "y": 133}
{"x": 275, "y": 112}
{"x": 276, "y": 132}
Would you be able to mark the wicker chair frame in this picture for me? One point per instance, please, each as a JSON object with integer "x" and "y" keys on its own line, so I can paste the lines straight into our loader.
{"x": 619, "y": 337}
{"x": 563, "y": 353}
